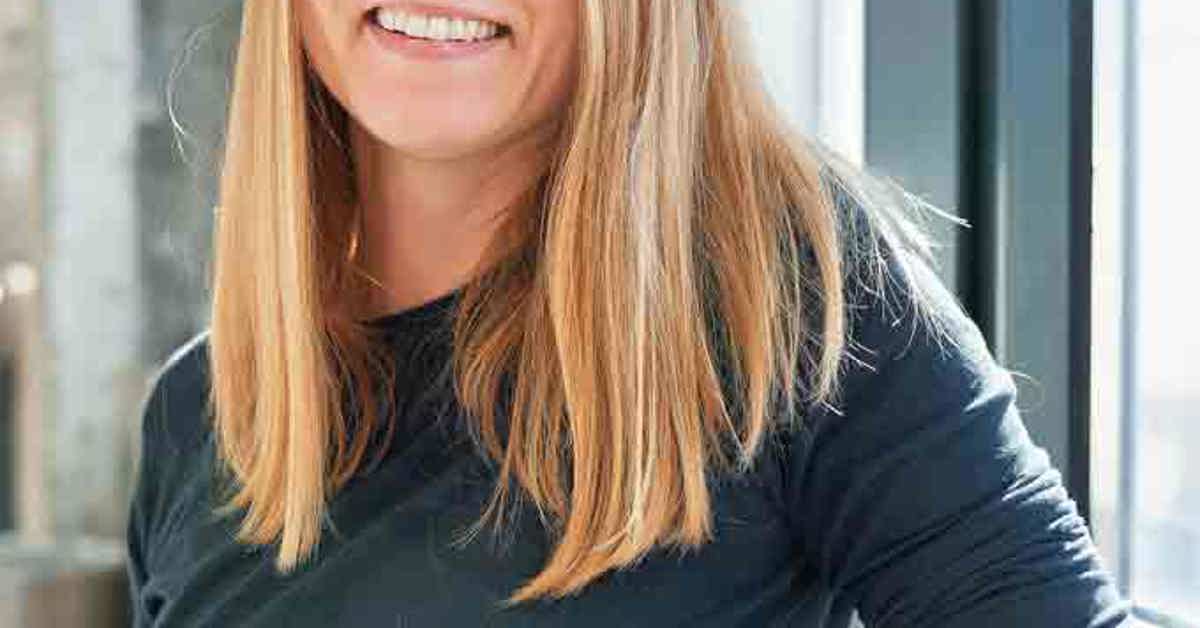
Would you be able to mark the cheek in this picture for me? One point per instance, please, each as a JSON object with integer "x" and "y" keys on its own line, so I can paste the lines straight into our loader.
{"x": 315, "y": 23}
{"x": 553, "y": 70}
{"x": 565, "y": 71}
{"x": 563, "y": 39}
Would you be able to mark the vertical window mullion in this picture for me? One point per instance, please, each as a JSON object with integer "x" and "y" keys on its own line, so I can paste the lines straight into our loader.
{"x": 1127, "y": 449}
{"x": 1040, "y": 287}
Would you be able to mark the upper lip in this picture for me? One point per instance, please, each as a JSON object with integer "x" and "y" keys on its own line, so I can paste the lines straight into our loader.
{"x": 466, "y": 10}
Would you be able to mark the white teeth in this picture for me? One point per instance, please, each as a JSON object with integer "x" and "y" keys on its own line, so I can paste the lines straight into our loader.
{"x": 439, "y": 28}
{"x": 393, "y": 21}
{"x": 418, "y": 26}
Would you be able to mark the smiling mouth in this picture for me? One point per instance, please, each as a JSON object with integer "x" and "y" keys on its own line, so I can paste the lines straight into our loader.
{"x": 437, "y": 28}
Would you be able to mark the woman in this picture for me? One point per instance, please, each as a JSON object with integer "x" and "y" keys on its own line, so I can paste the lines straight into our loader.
{"x": 482, "y": 260}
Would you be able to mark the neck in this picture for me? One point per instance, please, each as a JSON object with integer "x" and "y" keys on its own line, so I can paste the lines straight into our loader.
{"x": 426, "y": 222}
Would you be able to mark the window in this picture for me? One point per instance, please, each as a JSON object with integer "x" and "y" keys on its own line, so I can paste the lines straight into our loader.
{"x": 811, "y": 55}
{"x": 1146, "y": 395}
{"x": 1034, "y": 121}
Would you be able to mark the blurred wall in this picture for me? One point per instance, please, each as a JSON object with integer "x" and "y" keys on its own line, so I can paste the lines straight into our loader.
{"x": 92, "y": 284}
{"x": 90, "y": 183}
{"x": 105, "y": 220}
{"x": 21, "y": 152}
{"x": 110, "y": 118}
{"x": 185, "y": 63}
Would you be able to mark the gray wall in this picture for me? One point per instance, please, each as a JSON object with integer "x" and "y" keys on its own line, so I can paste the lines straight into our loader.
{"x": 105, "y": 222}
{"x": 107, "y": 198}
{"x": 185, "y": 65}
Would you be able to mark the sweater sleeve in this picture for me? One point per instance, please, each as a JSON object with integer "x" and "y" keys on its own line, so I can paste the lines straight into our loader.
{"x": 919, "y": 495}
{"x": 170, "y": 430}
{"x": 135, "y": 545}
{"x": 140, "y": 509}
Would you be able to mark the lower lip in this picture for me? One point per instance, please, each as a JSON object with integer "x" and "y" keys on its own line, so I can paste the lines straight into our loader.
{"x": 430, "y": 50}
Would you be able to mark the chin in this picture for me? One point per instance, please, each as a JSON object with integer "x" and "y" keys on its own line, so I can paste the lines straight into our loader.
{"x": 436, "y": 139}
{"x": 437, "y": 147}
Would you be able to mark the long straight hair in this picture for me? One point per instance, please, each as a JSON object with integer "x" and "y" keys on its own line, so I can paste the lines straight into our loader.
{"x": 671, "y": 285}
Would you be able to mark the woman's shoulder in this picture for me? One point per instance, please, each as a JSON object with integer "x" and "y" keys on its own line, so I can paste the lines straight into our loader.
{"x": 899, "y": 310}
{"x": 889, "y": 248}
{"x": 175, "y": 411}
{"x": 918, "y": 492}
{"x": 174, "y": 454}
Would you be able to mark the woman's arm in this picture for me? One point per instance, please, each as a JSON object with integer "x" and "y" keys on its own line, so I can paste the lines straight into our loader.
{"x": 925, "y": 501}
{"x": 136, "y": 533}
{"x": 171, "y": 431}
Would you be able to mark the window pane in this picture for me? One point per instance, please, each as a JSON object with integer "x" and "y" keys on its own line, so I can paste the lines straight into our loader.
{"x": 1147, "y": 495}
{"x": 1167, "y": 526}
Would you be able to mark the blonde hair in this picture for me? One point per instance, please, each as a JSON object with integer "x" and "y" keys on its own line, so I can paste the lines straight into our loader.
{"x": 680, "y": 229}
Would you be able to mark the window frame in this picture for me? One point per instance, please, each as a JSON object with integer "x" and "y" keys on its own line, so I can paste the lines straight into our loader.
{"x": 1010, "y": 86}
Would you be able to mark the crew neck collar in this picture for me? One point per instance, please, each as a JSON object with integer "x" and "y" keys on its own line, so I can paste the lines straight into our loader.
{"x": 430, "y": 310}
